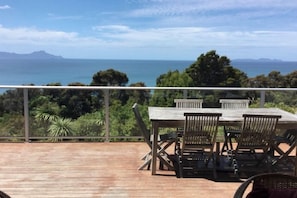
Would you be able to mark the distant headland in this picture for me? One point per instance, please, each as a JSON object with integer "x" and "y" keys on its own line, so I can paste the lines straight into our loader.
{"x": 44, "y": 55}
{"x": 34, "y": 55}
{"x": 257, "y": 60}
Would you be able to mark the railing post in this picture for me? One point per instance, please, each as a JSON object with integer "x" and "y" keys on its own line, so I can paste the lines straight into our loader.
{"x": 185, "y": 92}
{"x": 26, "y": 114}
{"x": 262, "y": 99}
{"x": 106, "y": 104}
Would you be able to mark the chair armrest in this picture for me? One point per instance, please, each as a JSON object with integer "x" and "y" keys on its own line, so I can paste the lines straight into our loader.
{"x": 241, "y": 189}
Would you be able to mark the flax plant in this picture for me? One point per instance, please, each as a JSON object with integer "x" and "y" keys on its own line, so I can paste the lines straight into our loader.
{"x": 60, "y": 127}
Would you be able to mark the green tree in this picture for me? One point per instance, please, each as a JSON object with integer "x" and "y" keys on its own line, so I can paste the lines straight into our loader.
{"x": 74, "y": 102}
{"x": 291, "y": 79}
{"x": 139, "y": 96}
{"x": 211, "y": 70}
{"x": 276, "y": 79}
{"x": 109, "y": 77}
{"x": 90, "y": 124}
{"x": 171, "y": 79}
{"x": 53, "y": 94}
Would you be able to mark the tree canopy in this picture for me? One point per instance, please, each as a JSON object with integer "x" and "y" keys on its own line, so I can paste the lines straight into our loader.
{"x": 212, "y": 70}
{"x": 110, "y": 77}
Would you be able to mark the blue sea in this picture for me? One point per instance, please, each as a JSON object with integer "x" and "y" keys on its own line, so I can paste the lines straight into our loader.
{"x": 65, "y": 71}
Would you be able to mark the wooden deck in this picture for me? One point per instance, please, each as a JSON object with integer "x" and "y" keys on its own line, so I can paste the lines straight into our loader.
{"x": 85, "y": 170}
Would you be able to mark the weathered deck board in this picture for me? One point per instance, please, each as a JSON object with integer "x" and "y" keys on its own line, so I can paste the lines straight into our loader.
{"x": 68, "y": 170}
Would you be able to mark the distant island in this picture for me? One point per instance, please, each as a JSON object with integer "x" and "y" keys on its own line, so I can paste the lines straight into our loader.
{"x": 257, "y": 60}
{"x": 34, "y": 55}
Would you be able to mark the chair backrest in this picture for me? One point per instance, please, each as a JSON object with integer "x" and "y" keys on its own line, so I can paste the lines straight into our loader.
{"x": 257, "y": 131}
{"x": 188, "y": 103}
{"x": 200, "y": 129}
{"x": 234, "y": 103}
{"x": 145, "y": 132}
{"x": 268, "y": 185}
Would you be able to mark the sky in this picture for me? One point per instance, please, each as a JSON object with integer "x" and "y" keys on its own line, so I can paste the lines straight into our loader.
{"x": 150, "y": 29}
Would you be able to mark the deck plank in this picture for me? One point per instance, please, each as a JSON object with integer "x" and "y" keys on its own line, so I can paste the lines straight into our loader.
{"x": 45, "y": 170}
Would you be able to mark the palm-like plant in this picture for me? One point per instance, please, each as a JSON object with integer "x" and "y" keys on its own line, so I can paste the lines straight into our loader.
{"x": 60, "y": 127}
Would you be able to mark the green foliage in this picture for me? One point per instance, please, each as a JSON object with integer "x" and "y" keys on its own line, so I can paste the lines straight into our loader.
{"x": 282, "y": 106}
{"x": 121, "y": 116}
{"x": 110, "y": 77}
{"x": 170, "y": 79}
{"x": 139, "y": 96}
{"x": 12, "y": 125}
{"x": 212, "y": 70}
{"x": 76, "y": 103}
{"x": 291, "y": 79}
{"x": 60, "y": 128}
{"x": 90, "y": 124}
{"x": 275, "y": 80}
{"x": 12, "y": 102}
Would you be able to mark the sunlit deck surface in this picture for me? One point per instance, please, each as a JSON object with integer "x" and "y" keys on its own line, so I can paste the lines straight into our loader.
{"x": 94, "y": 170}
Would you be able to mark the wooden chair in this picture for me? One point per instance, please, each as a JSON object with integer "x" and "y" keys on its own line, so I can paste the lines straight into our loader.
{"x": 289, "y": 138}
{"x": 254, "y": 141}
{"x": 164, "y": 142}
{"x": 197, "y": 142}
{"x": 232, "y": 132}
{"x": 188, "y": 103}
{"x": 234, "y": 103}
{"x": 268, "y": 185}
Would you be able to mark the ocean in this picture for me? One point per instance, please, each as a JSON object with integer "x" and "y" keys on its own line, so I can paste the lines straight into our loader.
{"x": 65, "y": 71}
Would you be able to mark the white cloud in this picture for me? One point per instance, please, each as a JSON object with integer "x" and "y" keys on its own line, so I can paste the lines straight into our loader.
{"x": 4, "y": 7}
{"x": 124, "y": 35}
{"x": 195, "y": 36}
{"x": 124, "y": 41}
{"x": 33, "y": 35}
{"x": 57, "y": 17}
{"x": 214, "y": 11}
{"x": 113, "y": 28}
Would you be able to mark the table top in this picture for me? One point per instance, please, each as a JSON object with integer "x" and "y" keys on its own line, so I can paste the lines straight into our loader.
{"x": 228, "y": 115}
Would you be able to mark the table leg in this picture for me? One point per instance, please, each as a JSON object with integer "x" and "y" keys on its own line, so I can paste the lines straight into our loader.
{"x": 218, "y": 150}
{"x": 295, "y": 158}
{"x": 154, "y": 147}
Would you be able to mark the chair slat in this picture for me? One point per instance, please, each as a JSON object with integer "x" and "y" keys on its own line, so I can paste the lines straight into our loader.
{"x": 188, "y": 103}
{"x": 234, "y": 103}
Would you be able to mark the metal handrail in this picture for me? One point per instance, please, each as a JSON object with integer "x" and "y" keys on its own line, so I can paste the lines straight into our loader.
{"x": 143, "y": 88}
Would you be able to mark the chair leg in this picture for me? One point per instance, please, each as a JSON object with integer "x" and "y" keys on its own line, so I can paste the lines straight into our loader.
{"x": 230, "y": 141}
{"x": 146, "y": 163}
{"x": 225, "y": 145}
{"x": 161, "y": 165}
{"x": 214, "y": 160}
{"x": 283, "y": 155}
{"x": 180, "y": 167}
{"x": 146, "y": 155}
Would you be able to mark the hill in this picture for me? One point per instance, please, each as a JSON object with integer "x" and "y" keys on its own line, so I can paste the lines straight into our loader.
{"x": 33, "y": 55}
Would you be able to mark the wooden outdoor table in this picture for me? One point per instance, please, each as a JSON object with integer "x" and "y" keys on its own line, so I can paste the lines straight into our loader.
{"x": 171, "y": 117}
